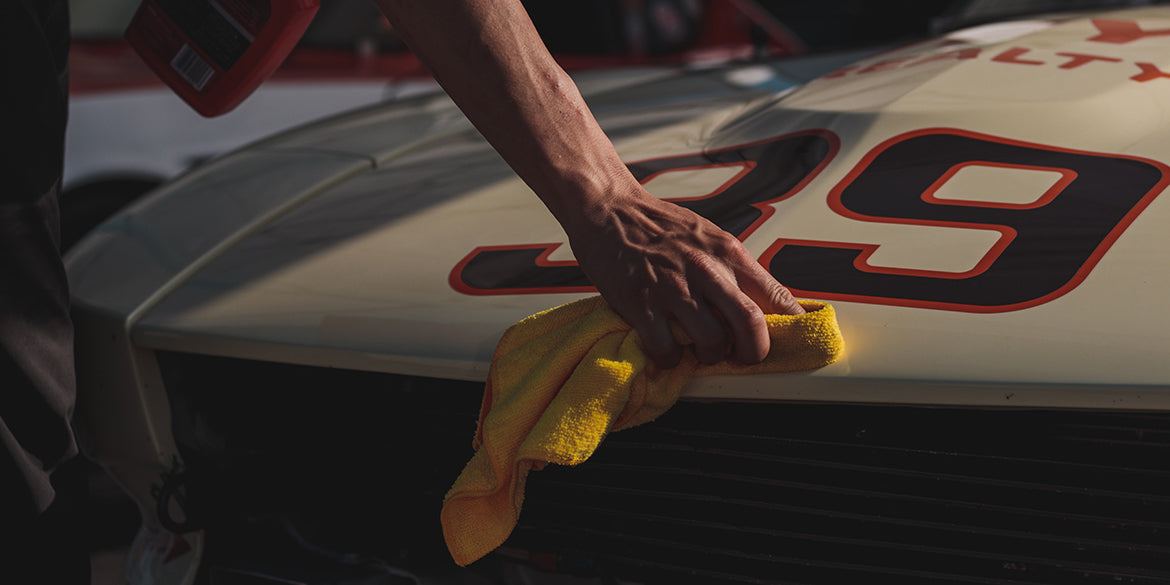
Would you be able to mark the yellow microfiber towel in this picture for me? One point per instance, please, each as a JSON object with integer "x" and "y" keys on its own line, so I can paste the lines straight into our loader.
{"x": 561, "y": 379}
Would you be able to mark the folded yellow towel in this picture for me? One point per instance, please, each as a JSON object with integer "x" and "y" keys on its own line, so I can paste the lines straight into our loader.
{"x": 561, "y": 379}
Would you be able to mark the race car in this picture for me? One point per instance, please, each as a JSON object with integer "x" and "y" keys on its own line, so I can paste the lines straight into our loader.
{"x": 281, "y": 354}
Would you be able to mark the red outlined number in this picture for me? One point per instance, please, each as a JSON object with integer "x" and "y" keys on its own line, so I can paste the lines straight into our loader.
{"x": 1046, "y": 247}
{"x": 771, "y": 170}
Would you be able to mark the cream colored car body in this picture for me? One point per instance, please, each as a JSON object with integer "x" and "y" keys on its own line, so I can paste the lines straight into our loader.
{"x": 341, "y": 244}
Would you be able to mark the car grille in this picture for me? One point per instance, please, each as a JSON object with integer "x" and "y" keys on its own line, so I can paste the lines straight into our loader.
{"x": 709, "y": 493}
{"x": 768, "y": 493}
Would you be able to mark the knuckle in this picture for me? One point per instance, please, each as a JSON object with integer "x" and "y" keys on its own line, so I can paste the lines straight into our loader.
{"x": 734, "y": 251}
{"x": 701, "y": 261}
{"x": 744, "y": 310}
{"x": 684, "y": 305}
{"x": 753, "y": 342}
{"x": 783, "y": 300}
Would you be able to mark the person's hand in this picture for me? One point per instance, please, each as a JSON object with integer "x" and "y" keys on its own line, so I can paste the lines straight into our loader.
{"x": 654, "y": 262}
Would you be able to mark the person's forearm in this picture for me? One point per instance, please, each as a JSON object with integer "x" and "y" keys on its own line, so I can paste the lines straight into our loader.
{"x": 478, "y": 48}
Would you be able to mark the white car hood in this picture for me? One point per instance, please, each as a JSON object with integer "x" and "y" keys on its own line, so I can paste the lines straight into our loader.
{"x": 343, "y": 244}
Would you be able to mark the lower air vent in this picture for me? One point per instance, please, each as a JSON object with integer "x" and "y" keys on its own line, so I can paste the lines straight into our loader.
{"x": 753, "y": 493}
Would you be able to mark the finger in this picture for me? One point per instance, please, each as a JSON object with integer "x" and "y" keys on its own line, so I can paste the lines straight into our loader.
{"x": 705, "y": 328}
{"x": 744, "y": 319}
{"x": 741, "y": 315}
{"x": 762, "y": 288}
{"x": 657, "y": 340}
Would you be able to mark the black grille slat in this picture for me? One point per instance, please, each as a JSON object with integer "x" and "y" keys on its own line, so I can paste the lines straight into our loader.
{"x": 792, "y": 564}
{"x": 640, "y": 452}
{"x": 1151, "y": 435}
{"x": 762, "y": 444}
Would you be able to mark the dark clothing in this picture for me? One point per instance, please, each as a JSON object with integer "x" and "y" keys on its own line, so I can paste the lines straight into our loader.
{"x": 40, "y": 539}
{"x": 36, "y": 356}
{"x": 36, "y": 339}
{"x": 35, "y": 37}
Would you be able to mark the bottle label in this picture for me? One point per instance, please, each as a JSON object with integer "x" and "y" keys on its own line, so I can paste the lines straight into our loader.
{"x": 201, "y": 39}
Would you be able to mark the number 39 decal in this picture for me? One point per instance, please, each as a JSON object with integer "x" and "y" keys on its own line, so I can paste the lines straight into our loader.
{"x": 1045, "y": 249}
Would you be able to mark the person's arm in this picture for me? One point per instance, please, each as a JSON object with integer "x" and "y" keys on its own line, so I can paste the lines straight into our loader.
{"x": 653, "y": 261}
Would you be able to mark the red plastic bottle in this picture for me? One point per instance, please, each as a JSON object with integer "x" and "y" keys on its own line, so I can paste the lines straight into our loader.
{"x": 215, "y": 53}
